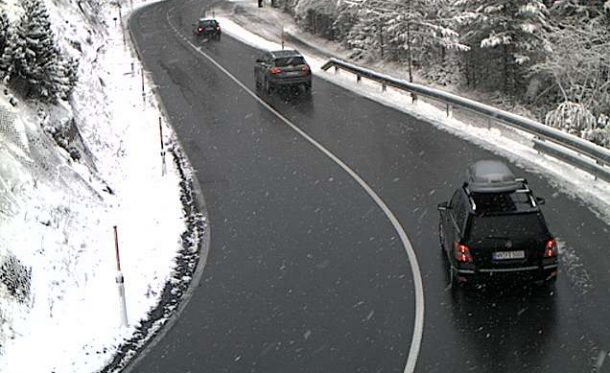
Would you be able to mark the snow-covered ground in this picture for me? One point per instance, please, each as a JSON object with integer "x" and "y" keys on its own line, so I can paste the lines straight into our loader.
{"x": 59, "y": 306}
{"x": 263, "y": 28}
{"x": 56, "y": 216}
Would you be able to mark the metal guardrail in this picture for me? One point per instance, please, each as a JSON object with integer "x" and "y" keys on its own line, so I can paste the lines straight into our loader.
{"x": 571, "y": 148}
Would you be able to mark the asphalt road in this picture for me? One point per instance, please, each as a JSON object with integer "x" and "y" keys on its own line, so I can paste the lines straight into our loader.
{"x": 307, "y": 274}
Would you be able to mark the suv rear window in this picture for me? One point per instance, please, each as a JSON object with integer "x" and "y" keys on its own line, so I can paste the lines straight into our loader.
{"x": 289, "y": 61}
{"x": 501, "y": 202}
{"x": 207, "y": 23}
{"x": 522, "y": 225}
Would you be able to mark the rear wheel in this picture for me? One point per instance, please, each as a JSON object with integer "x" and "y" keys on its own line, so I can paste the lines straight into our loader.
{"x": 307, "y": 87}
{"x": 441, "y": 236}
{"x": 452, "y": 276}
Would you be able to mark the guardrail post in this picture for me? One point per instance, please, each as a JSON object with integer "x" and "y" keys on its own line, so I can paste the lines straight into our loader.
{"x": 489, "y": 124}
{"x": 414, "y": 98}
{"x": 336, "y": 69}
{"x": 384, "y": 87}
{"x": 597, "y": 161}
{"x": 358, "y": 78}
{"x": 449, "y": 111}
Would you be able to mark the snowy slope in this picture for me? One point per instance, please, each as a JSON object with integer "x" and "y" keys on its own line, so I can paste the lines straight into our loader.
{"x": 58, "y": 298}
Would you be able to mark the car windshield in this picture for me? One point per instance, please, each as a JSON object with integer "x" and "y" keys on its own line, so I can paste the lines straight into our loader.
{"x": 290, "y": 61}
{"x": 523, "y": 225}
{"x": 207, "y": 23}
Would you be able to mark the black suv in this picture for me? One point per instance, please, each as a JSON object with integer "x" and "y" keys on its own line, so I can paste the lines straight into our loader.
{"x": 493, "y": 227}
{"x": 282, "y": 68}
{"x": 207, "y": 28}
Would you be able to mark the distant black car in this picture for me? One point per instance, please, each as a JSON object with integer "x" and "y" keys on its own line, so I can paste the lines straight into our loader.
{"x": 493, "y": 228}
{"x": 282, "y": 68}
{"x": 208, "y": 29}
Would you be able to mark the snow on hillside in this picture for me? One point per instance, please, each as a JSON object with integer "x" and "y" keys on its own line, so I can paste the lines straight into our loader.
{"x": 58, "y": 298}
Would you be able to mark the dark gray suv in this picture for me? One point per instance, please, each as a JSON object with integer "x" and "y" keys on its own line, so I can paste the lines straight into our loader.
{"x": 493, "y": 228}
{"x": 282, "y": 68}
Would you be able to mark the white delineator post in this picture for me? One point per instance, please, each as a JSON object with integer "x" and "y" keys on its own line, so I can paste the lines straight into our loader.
{"x": 120, "y": 281}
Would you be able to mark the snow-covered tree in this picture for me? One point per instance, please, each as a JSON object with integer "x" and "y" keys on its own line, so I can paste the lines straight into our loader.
{"x": 347, "y": 17}
{"x": 4, "y": 30}
{"x": 408, "y": 28}
{"x": 32, "y": 58}
{"x": 71, "y": 72}
{"x": 419, "y": 26}
{"x": 578, "y": 69}
{"x": 317, "y": 16}
{"x": 510, "y": 34}
{"x": 366, "y": 34}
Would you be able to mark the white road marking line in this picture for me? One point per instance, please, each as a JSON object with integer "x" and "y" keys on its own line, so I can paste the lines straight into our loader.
{"x": 418, "y": 328}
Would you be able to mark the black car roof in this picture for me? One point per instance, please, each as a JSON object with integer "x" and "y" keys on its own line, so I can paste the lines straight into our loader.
{"x": 285, "y": 53}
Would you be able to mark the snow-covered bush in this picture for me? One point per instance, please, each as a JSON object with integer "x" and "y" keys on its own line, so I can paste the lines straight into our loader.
{"x": 576, "y": 119}
{"x": 16, "y": 277}
{"x": 599, "y": 135}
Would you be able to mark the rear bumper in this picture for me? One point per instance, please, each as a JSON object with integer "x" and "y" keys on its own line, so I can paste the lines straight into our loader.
{"x": 525, "y": 273}
{"x": 207, "y": 33}
{"x": 290, "y": 81}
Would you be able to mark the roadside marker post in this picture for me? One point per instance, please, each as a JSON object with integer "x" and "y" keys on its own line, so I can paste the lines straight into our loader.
{"x": 120, "y": 281}
{"x": 163, "y": 166}
{"x": 143, "y": 88}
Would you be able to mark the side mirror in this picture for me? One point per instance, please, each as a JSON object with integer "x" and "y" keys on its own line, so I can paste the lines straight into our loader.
{"x": 540, "y": 200}
{"x": 443, "y": 206}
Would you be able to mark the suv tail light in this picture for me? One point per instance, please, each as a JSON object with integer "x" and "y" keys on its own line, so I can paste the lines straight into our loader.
{"x": 462, "y": 253}
{"x": 275, "y": 70}
{"x": 200, "y": 29}
{"x": 306, "y": 68}
{"x": 550, "y": 250}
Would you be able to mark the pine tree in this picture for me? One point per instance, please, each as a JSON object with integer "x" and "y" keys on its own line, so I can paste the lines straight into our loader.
{"x": 365, "y": 35}
{"x": 32, "y": 57}
{"x": 347, "y": 18}
{"x": 418, "y": 27}
{"x": 511, "y": 33}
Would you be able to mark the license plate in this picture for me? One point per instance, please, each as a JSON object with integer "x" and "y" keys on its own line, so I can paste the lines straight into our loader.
{"x": 293, "y": 73}
{"x": 507, "y": 255}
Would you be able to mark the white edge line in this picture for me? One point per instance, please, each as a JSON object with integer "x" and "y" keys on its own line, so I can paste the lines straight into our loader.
{"x": 418, "y": 328}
